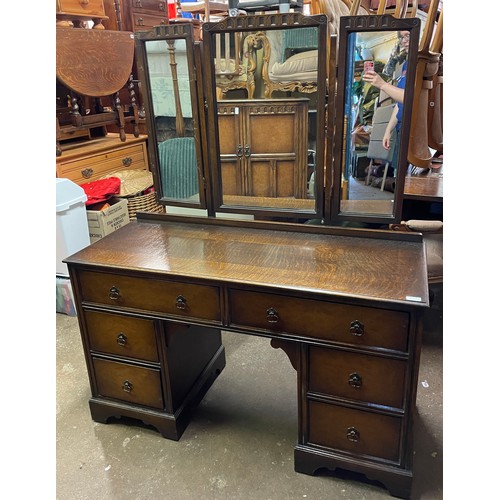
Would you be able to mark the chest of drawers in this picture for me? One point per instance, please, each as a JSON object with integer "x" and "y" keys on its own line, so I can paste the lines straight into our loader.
{"x": 153, "y": 296}
{"x": 90, "y": 160}
{"x": 142, "y": 15}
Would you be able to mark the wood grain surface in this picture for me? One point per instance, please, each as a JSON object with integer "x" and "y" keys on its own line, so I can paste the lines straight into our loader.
{"x": 372, "y": 268}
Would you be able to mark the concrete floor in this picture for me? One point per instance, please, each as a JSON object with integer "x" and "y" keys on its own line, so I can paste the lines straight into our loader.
{"x": 231, "y": 449}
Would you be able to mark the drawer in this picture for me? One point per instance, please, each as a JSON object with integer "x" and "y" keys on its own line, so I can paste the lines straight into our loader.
{"x": 354, "y": 431}
{"x": 154, "y": 5}
{"x": 90, "y": 8}
{"x": 355, "y": 376}
{"x": 133, "y": 384}
{"x": 142, "y": 22}
{"x": 168, "y": 297}
{"x": 348, "y": 324}
{"x": 93, "y": 167}
{"x": 121, "y": 335}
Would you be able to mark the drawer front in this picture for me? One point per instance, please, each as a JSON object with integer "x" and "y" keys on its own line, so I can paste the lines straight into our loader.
{"x": 121, "y": 335}
{"x": 354, "y": 431}
{"x": 148, "y": 294}
{"x": 154, "y": 5}
{"x": 359, "y": 377}
{"x": 356, "y": 325}
{"x": 141, "y": 22}
{"x": 90, "y": 8}
{"x": 133, "y": 384}
{"x": 95, "y": 166}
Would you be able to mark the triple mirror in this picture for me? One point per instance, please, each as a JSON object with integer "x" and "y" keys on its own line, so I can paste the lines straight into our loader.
{"x": 236, "y": 123}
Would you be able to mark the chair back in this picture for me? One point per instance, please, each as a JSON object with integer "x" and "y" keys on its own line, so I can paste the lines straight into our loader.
{"x": 178, "y": 167}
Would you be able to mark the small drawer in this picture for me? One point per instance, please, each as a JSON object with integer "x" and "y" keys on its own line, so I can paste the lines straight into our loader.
{"x": 154, "y": 5}
{"x": 147, "y": 294}
{"x": 133, "y": 384}
{"x": 354, "y": 431}
{"x": 90, "y": 8}
{"x": 347, "y": 324}
{"x": 121, "y": 335}
{"x": 359, "y": 377}
{"x": 143, "y": 22}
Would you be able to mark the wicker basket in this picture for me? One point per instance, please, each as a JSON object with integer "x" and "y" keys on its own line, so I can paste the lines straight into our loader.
{"x": 136, "y": 188}
{"x": 143, "y": 203}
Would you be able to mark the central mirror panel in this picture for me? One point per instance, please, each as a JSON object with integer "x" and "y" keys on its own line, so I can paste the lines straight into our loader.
{"x": 266, "y": 95}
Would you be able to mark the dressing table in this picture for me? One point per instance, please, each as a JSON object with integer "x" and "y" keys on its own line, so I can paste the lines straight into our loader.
{"x": 344, "y": 304}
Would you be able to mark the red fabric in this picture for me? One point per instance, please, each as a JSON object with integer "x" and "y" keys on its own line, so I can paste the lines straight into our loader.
{"x": 101, "y": 190}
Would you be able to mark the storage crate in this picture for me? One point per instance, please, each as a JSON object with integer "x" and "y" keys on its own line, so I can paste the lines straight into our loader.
{"x": 72, "y": 232}
{"x": 103, "y": 222}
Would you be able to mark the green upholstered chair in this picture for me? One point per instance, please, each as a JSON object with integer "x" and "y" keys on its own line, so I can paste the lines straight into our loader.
{"x": 178, "y": 168}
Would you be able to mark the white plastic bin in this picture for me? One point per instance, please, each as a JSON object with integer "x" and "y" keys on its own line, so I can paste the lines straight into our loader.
{"x": 72, "y": 230}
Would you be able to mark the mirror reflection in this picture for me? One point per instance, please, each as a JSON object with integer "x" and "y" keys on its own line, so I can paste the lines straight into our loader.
{"x": 375, "y": 82}
{"x": 267, "y": 113}
{"x": 171, "y": 102}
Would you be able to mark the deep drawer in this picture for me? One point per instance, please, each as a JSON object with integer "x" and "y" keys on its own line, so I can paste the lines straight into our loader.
{"x": 320, "y": 319}
{"x": 167, "y": 297}
{"x": 92, "y": 167}
{"x": 121, "y": 335}
{"x": 143, "y": 22}
{"x": 354, "y": 431}
{"x": 133, "y": 384}
{"x": 359, "y": 377}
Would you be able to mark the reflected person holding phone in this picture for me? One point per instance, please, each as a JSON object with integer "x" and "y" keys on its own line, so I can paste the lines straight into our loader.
{"x": 394, "y": 91}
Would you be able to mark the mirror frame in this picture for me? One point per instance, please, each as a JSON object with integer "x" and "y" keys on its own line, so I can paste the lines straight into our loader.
{"x": 181, "y": 31}
{"x": 252, "y": 23}
{"x": 357, "y": 24}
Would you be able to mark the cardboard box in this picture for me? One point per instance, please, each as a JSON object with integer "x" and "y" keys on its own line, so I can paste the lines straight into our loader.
{"x": 103, "y": 222}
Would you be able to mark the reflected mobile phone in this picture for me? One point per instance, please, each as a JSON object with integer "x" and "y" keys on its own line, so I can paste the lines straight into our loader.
{"x": 368, "y": 66}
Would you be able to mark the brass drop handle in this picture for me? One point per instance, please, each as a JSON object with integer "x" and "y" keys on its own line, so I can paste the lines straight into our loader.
{"x": 127, "y": 161}
{"x": 272, "y": 315}
{"x": 87, "y": 172}
{"x": 114, "y": 293}
{"x": 247, "y": 150}
{"x": 161, "y": 6}
{"x": 121, "y": 339}
{"x": 355, "y": 380}
{"x": 239, "y": 150}
{"x": 357, "y": 328}
{"x": 181, "y": 302}
{"x": 353, "y": 434}
{"x": 140, "y": 21}
{"x": 127, "y": 386}
{"x": 138, "y": 4}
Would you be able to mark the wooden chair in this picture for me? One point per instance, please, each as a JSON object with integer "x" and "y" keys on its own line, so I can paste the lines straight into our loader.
{"x": 235, "y": 63}
{"x": 376, "y": 150}
{"x": 432, "y": 231}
